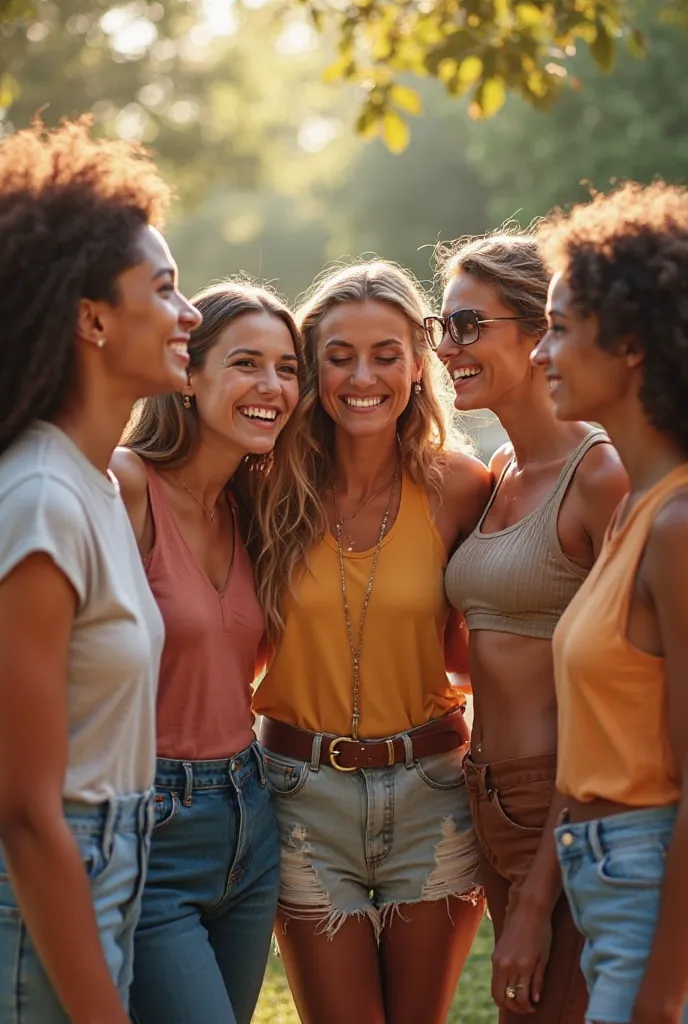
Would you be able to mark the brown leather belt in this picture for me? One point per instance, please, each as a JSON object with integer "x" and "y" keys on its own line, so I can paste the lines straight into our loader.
{"x": 347, "y": 755}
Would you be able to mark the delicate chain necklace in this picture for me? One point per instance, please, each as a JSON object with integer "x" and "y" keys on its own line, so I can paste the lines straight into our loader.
{"x": 357, "y": 647}
{"x": 210, "y": 512}
{"x": 352, "y": 515}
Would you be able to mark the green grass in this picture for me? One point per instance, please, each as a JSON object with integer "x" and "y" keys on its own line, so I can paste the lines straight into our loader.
{"x": 472, "y": 995}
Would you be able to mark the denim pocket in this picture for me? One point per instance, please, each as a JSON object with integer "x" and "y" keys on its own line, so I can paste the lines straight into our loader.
{"x": 165, "y": 808}
{"x": 442, "y": 771}
{"x": 633, "y": 865}
{"x": 284, "y": 776}
{"x": 524, "y": 807}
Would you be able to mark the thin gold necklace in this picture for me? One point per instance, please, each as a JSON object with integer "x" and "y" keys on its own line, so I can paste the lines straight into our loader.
{"x": 352, "y": 515}
{"x": 358, "y": 646}
{"x": 210, "y": 512}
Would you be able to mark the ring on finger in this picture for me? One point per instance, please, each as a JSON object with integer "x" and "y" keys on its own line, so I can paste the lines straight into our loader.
{"x": 510, "y": 992}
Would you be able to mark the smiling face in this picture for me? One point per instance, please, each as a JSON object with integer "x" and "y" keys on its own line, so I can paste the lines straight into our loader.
{"x": 147, "y": 330}
{"x": 488, "y": 371}
{"x": 584, "y": 379}
{"x": 248, "y": 386}
{"x": 366, "y": 366}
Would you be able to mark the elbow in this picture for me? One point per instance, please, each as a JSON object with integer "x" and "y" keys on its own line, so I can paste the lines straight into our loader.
{"x": 21, "y": 819}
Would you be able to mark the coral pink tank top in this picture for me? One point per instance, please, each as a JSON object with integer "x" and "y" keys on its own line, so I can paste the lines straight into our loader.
{"x": 211, "y": 643}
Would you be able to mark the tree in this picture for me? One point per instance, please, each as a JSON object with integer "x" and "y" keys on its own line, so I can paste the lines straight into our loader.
{"x": 484, "y": 49}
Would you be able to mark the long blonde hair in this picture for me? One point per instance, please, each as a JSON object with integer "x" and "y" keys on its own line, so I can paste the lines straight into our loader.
{"x": 427, "y": 428}
{"x": 271, "y": 491}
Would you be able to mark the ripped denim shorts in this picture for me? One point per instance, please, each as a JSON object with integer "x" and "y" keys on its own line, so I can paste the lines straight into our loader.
{"x": 369, "y": 841}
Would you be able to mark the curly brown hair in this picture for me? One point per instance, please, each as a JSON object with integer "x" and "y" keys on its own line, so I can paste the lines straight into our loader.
{"x": 624, "y": 257}
{"x": 71, "y": 208}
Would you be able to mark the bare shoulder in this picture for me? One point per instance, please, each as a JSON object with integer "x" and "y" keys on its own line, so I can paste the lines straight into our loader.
{"x": 504, "y": 454}
{"x": 465, "y": 478}
{"x": 131, "y": 475}
{"x": 599, "y": 484}
{"x": 601, "y": 472}
{"x": 466, "y": 486}
{"x": 668, "y": 537}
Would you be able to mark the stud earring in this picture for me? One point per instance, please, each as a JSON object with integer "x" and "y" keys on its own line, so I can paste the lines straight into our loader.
{"x": 417, "y": 387}
{"x": 186, "y": 401}
{"x": 101, "y": 342}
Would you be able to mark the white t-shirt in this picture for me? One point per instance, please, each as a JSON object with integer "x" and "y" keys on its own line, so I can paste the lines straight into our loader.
{"x": 53, "y": 500}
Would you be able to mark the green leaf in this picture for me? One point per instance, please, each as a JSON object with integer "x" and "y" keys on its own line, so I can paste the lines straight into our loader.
{"x": 491, "y": 96}
{"x": 395, "y": 132}
{"x": 9, "y": 90}
{"x": 407, "y": 99}
{"x": 528, "y": 14}
{"x": 603, "y": 48}
{"x": 637, "y": 44}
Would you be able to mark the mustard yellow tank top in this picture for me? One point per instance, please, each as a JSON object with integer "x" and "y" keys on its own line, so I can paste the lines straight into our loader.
{"x": 402, "y": 678}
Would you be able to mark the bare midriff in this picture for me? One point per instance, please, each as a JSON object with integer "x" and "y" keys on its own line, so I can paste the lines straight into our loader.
{"x": 514, "y": 701}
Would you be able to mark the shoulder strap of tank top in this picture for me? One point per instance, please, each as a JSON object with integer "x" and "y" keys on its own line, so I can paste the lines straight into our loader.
{"x": 157, "y": 500}
{"x": 593, "y": 437}
{"x": 492, "y": 497}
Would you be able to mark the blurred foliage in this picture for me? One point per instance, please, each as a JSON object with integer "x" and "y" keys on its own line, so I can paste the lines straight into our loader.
{"x": 274, "y": 182}
{"x": 484, "y": 49}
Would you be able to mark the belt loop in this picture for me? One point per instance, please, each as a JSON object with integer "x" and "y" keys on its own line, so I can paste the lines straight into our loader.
{"x": 258, "y": 754}
{"x": 315, "y": 752}
{"x": 595, "y": 839}
{"x": 109, "y": 828}
{"x": 188, "y": 784}
{"x": 408, "y": 750}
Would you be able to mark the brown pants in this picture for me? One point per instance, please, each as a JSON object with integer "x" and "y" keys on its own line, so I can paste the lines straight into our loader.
{"x": 509, "y": 803}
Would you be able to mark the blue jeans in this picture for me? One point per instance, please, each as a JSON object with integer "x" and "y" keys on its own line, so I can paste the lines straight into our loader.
{"x": 613, "y": 870}
{"x": 113, "y": 840}
{"x": 210, "y": 899}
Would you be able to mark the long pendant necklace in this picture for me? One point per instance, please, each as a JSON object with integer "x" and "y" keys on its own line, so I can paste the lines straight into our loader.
{"x": 356, "y": 648}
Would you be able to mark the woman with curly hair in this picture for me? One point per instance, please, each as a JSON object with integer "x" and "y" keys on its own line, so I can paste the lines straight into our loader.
{"x": 616, "y": 352}
{"x": 556, "y": 487}
{"x": 196, "y": 463}
{"x": 91, "y": 321}
{"x": 364, "y": 737}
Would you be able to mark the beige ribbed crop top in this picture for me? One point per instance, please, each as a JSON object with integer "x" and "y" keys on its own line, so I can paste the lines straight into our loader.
{"x": 518, "y": 580}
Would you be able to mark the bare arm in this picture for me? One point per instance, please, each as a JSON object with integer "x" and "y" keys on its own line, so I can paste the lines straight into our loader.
{"x": 664, "y": 989}
{"x": 466, "y": 488}
{"x": 128, "y": 467}
{"x": 37, "y": 608}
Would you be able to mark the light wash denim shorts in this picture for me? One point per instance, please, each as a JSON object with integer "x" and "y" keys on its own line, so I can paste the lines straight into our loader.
{"x": 113, "y": 839}
{"x": 613, "y": 869}
{"x": 367, "y": 842}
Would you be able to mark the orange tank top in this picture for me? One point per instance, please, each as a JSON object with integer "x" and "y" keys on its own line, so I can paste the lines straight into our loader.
{"x": 402, "y": 678}
{"x": 211, "y": 642}
{"x": 613, "y": 728}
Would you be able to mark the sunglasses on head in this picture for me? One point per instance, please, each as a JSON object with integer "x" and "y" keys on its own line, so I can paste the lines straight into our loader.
{"x": 463, "y": 326}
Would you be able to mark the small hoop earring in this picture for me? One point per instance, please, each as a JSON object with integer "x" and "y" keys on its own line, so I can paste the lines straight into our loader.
{"x": 417, "y": 387}
{"x": 186, "y": 401}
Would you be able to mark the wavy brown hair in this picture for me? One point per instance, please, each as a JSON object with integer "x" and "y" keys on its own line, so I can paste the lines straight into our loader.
{"x": 427, "y": 428}
{"x": 272, "y": 491}
{"x": 509, "y": 261}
